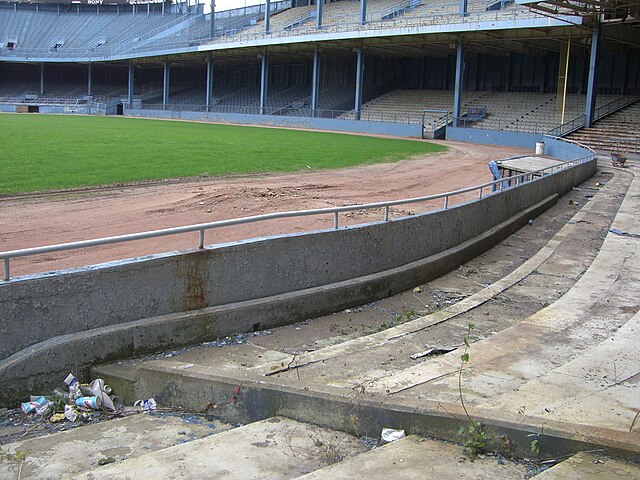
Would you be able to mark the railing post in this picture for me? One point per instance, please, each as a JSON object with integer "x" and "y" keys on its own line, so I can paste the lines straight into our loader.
{"x": 386, "y": 213}
{"x": 335, "y": 220}
{"x": 7, "y": 273}
{"x": 446, "y": 202}
{"x": 201, "y": 243}
{"x": 480, "y": 193}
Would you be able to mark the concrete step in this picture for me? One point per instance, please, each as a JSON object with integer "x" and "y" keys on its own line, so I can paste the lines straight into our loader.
{"x": 418, "y": 458}
{"x": 276, "y": 448}
{"x": 590, "y": 466}
{"x": 374, "y": 377}
{"x": 72, "y": 452}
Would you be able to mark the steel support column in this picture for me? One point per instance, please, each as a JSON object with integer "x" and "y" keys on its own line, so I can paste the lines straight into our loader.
{"x": 464, "y": 8}
{"x": 264, "y": 80}
{"x": 590, "y": 106}
{"x": 209, "y": 81}
{"x": 89, "y": 78}
{"x": 457, "y": 88}
{"x": 165, "y": 87}
{"x": 363, "y": 12}
{"x": 314, "y": 81}
{"x": 130, "y": 85}
{"x": 267, "y": 16}
{"x": 319, "y": 14}
{"x": 213, "y": 19}
{"x": 359, "y": 73}
{"x": 42, "y": 79}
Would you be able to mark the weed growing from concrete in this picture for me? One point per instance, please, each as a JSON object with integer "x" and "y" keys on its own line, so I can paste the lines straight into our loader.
{"x": 475, "y": 436}
{"x": 633, "y": 422}
{"x": 19, "y": 456}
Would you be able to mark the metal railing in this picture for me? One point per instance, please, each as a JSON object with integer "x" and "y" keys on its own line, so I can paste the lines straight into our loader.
{"x": 300, "y": 111}
{"x": 488, "y": 188}
{"x": 613, "y": 106}
{"x": 580, "y": 121}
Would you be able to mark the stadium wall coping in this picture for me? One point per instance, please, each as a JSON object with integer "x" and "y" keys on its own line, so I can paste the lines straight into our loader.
{"x": 58, "y": 109}
{"x": 553, "y": 148}
{"x": 68, "y": 320}
{"x": 352, "y": 126}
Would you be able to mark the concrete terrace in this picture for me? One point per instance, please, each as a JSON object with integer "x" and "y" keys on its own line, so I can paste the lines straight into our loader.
{"x": 565, "y": 373}
{"x": 552, "y": 365}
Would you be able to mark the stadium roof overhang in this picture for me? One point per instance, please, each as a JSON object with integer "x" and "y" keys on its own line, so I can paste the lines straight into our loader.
{"x": 497, "y": 43}
{"x": 532, "y": 36}
{"x": 604, "y": 11}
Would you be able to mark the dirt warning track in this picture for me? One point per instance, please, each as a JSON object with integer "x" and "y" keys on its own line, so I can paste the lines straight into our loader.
{"x": 45, "y": 219}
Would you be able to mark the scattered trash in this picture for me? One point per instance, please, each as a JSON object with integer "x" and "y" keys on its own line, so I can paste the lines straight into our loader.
{"x": 106, "y": 461}
{"x": 78, "y": 402}
{"x": 615, "y": 231}
{"x": 89, "y": 402}
{"x": 70, "y": 413}
{"x": 530, "y": 222}
{"x": 433, "y": 351}
{"x": 390, "y": 435}
{"x": 417, "y": 290}
{"x": 573, "y": 202}
{"x": 57, "y": 417}
{"x": 34, "y": 404}
{"x": 588, "y": 195}
{"x": 148, "y": 405}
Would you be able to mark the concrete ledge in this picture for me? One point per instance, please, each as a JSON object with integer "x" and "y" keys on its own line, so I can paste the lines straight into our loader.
{"x": 37, "y": 368}
{"x": 361, "y": 414}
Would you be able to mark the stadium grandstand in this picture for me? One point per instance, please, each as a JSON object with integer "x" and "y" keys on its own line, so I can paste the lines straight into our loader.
{"x": 551, "y": 66}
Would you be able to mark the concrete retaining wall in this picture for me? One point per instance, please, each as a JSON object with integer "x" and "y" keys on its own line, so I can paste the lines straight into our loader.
{"x": 57, "y": 109}
{"x": 553, "y": 148}
{"x": 52, "y": 322}
{"x": 353, "y": 126}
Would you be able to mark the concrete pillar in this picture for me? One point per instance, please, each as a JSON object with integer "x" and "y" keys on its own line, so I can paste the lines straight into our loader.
{"x": 42, "y": 79}
{"x": 359, "y": 72}
{"x": 457, "y": 88}
{"x": 213, "y": 19}
{"x": 163, "y": 9}
{"x": 319, "y": 14}
{"x": 264, "y": 80}
{"x": 209, "y": 81}
{"x": 363, "y": 12}
{"x": 590, "y": 106}
{"x": 464, "y": 8}
{"x": 89, "y": 78}
{"x": 130, "y": 85}
{"x": 267, "y": 16}
{"x": 165, "y": 87}
{"x": 314, "y": 82}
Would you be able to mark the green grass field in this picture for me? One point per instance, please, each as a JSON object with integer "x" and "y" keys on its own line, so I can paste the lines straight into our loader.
{"x": 45, "y": 152}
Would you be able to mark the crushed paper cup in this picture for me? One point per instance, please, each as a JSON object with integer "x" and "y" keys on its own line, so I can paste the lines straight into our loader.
{"x": 45, "y": 408}
{"x": 94, "y": 402}
{"x": 97, "y": 386}
{"x": 33, "y": 404}
{"x": 98, "y": 389}
{"x": 390, "y": 435}
{"x": 70, "y": 380}
{"x": 148, "y": 405}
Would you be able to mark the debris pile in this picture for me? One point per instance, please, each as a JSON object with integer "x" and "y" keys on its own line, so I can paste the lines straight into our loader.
{"x": 80, "y": 401}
